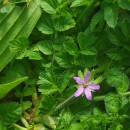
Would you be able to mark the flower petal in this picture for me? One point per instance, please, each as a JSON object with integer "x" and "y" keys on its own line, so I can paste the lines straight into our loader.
{"x": 79, "y": 92}
{"x": 87, "y": 76}
{"x": 94, "y": 86}
{"x": 78, "y": 80}
{"x": 88, "y": 93}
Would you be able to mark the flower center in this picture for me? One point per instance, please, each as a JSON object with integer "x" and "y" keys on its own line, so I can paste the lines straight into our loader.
{"x": 85, "y": 84}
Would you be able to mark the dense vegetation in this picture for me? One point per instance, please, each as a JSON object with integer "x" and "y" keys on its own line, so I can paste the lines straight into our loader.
{"x": 45, "y": 46}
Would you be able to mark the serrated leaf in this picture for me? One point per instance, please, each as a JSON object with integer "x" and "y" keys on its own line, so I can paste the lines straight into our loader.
{"x": 47, "y": 8}
{"x": 115, "y": 54}
{"x": 6, "y": 88}
{"x": 96, "y": 19}
{"x": 45, "y": 47}
{"x": 123, "y": 22}
{"x": 116, "y": 37}
{"x": 33, "y": 55}
{"x": 64, "y": 60}
{"x": 47, "y": 89}
{"x": 124, "y": 4}
{"x": 28, "y": 91}
{"x": 63, "y": 80}
{"x": 112, "y": 103}
{"x": 89, "y": 51}
{"x": 113, "y": 76}
{"x": 123, "y": 85}
{"x": 12, "y": 112}
{"x": 85, "y": 61}
{"x": 86, "y": 40}
{"x": 20, "y": 46}
{"x": 47, "y": 82}
{"x": 111, "y": 15}
{"x": 70, "y": 46}
{"x": 126, "y": 110}
{"x": 63, "y": 22}
{"x": 65, "y": 120}
{"x": 48, "y": 104}
{"x": 45, "y": 24}
{"x": 26, "y": 105}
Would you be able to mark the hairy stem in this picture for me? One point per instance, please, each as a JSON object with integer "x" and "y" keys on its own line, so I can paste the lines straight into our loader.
{"x": 96, "y": 98}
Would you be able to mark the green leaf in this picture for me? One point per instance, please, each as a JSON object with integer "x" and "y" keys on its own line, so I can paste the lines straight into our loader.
{"x": 123, "y": 85}
{"x": 63, "y": 22}
{"x": 113, "y": 76}
{"x": 124, "y": 4}
{"x": 2, "y": 125}
{"x": 26, "y": 105}
{"x": 20, "y": 46}
{"x": 89, "y": 51}
{"x": 117, "y": 79}
{"x": 63, "y": 80}
{"x": 86, "y": 40}
{"x": 45, "y": 47}
{"x": 64, "y": 60}
{"x": 116, "y": 126}
{"x": 45, "y": 24}
{"x": 33, "y": 55}
{"x": 111, "y": 15}
{"x": 70, "y": 46}
{"x": 47, "y": 8}
{"x": 65, "y": 120}
{"x": 123, "y": 22}
{"x": 116, "y": 37}
{"x": 96, "y": 19}
{"x": 85, "y": 61}
{"x": 6, "y": 88}
{"x": 28, "y": 91}
{"x": 48, "y": 104}
{"x": 115, "y": 54}
{"x": 12, "y": 112}
{"x": 125, "y": 111}
{"x": 112, "y": 103}
{"x": 47, "y": 89}
{"x": 25, "y": 19}
{"x": 77, "y": 3}
{"x": 47, "y": 82}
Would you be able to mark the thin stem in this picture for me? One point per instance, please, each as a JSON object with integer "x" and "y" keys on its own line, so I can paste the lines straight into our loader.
{"x": 64, "y": 102}
{"x": 96, "y": 98}
{"x": 19, "y": 127}
{"x": 25, "y": 123}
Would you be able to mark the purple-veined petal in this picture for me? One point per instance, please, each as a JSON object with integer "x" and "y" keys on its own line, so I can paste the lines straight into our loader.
{"x": 94, "y": 86}
{"x": 79, "y": 91}
{"x": 78, "y": 80}
{"x": 88, "y": 93}
{"x": 87, "y": 76}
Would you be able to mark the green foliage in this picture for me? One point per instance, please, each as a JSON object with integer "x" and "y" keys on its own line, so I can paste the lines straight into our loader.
{"x": 44, "y": 44}
{"x": 117, "y": 79}
{"x": 12, "y": 112}
{"x": 110, "y": 15}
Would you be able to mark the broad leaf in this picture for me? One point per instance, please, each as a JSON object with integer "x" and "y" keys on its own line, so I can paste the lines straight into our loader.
{"x": 110, "y": 15}
{"x": 45, "y": 47}
{"x": 6, "y": 88}
{"x": 12, "y": 112}
{"x": 70, "y": 46}
{"x": 112, "y": 103}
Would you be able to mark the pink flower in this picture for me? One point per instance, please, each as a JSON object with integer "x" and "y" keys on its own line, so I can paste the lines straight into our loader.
{"x": 85, "y": 86}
